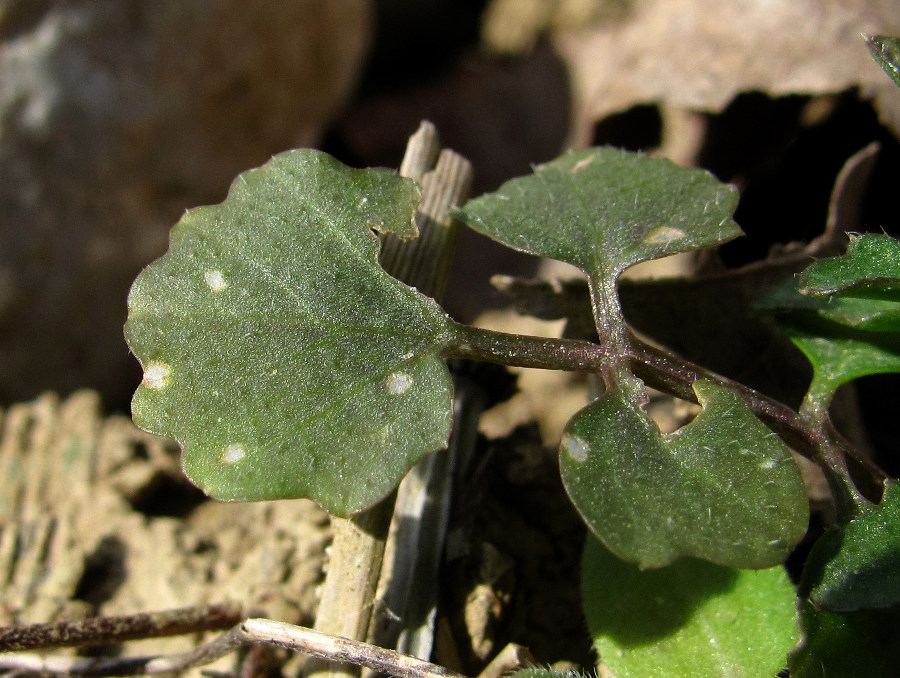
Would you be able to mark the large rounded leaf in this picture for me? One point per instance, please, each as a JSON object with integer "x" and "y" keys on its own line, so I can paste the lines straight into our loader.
{"x": 690, "y": 620}
{"x": 723, "y": 488}
{"x": 604, "y": 209}
{"x": 279, "y": 354}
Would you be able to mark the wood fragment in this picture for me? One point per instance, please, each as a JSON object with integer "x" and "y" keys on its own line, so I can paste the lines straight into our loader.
{"x": 116, "y": 629}
{"x": 248, "y": 633}
{"x": 348, "y": 596}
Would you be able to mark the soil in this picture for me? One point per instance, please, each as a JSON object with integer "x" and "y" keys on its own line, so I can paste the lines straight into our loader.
{"x": 97, "y": 519}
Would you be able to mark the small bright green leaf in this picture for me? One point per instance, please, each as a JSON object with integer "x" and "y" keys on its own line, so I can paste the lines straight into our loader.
{"x": 873, "y": 315}
{"x": 692, "y": 619}
{"x": 886, "y": 51}
{"x": 838, "y": 351}
{"x": 864, "y": 643}
{"x": 859, "y": 565}
{"x": 870, "y": 269}
{"x": 604, "y": 209}
{"x": 864, "y": 313}
{"x": 276, "y": 350}
{"x": 839, "y": 354}
{"x": 723, "y": 488}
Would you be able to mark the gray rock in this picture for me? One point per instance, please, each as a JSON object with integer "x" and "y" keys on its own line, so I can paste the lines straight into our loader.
{"x": 116, "y": 116}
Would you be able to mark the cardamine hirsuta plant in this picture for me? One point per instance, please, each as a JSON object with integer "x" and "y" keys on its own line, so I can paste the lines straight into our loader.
{"x": 288, "y": 363}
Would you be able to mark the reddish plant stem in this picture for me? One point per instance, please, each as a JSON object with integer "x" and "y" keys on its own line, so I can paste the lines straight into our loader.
{"x": 660, "y": 370}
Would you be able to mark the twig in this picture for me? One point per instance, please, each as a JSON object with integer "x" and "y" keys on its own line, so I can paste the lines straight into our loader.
{"x": 336, "y": 648}
{"x": 407, "y": 589}
{"x": 124, "y": 666}
{"x": 250, "y": 632}
{"x": 357, "y": 552}
{"x": 108, "y": 630}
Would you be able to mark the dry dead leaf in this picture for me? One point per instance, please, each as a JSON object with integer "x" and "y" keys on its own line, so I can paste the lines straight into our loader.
{"x": 698, "y": 54}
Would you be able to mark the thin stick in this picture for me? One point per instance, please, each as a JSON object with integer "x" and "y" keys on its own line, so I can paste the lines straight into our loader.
{"x": 251, "y": 632}
{"x": 336, "y": 648}
{"x": 124, "y": 666}
{"x": 357, "y": 551}
{"x": 117, "y": 629}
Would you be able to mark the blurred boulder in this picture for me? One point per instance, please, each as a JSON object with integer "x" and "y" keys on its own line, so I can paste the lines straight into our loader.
{"x": 116, "y": 116}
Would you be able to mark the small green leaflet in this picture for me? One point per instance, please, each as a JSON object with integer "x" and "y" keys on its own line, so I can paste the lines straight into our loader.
{"x": 604, "y": 209}
{"x": 691, "y": 619}
{"x": 860, "y": 289}
{"x": 869, "y": 269}
{"x": 864, "y": 643}
{"x": 275, "y": 349}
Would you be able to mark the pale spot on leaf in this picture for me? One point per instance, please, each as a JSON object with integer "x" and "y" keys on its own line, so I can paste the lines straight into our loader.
{"x": 581, "y": 164}
{"x": 664, "y": 235}
{"x": 233, "y": 453}
{"x": 156, "y": 375}
{"x": 215, "y": 280}
{"x": 398, "y": 383}
{"x": 576, "y": 448}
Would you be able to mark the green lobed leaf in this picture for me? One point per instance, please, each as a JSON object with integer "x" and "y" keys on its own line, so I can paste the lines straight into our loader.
{"x": 279, "y": 354}
{"x": 858, "y": 566}
{"x": 860, "y": 288}
{"x": 864, "y": 643}
{"x": 839, "y": 354}
{"x": 832, "y": 332}
{"x": 723, "y": 488}
{"x": 692, "y": 619}
{"x": 869, "y": 269}
{"x": 872, "y": 315}
{"x": 604, "y": 209}
{"x": 886, "y": 51}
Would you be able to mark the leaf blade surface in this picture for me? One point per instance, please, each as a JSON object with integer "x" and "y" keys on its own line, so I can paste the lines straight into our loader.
{"x": 723, "y": 488}
{"x": 692, "y": 619}
{"x": 275, "y": 349}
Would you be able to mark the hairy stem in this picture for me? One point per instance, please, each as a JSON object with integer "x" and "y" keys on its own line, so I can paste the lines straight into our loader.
{"x": 658, "y": 369}
{"x": 516, "y": 350}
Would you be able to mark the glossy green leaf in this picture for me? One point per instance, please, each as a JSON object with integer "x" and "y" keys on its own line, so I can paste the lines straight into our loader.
{"x": 839, "y": 354}
{"x": 692, "y": 619}
{"x": 604, "y": 209}
{"x": 869, "y": 269}
{"x": 863, "y": 313}
{"x": 886, "y": 51}
{"x": 860, "y": 289}
{"x": 864, "y": 643}
{"x": 858, "y": 566}
{"x": 872, "y": 315}
{"x": 279, "y": 354}
{"x": 838, "y": 351}
{"x": 723, "y": 488}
